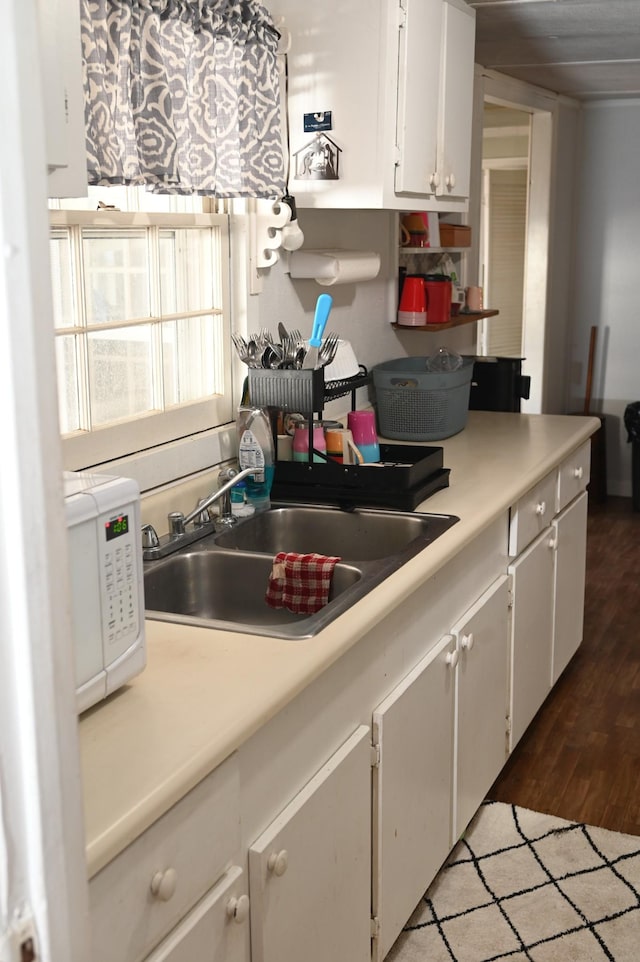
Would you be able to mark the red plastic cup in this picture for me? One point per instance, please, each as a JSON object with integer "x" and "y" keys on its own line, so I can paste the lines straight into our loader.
{"x": 413, "y": 298}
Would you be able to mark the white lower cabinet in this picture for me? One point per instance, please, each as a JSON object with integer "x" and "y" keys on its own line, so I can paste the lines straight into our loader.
{"x": 532, "y": 631}
{"x": 310, "y": 871}
{"x": 144, "y": 893}
{"x": 570, "y": 532}
{"x": 548, "y": 596}
{"x": 216, "y": 930}
{"x": 482, "y": 638}
{"x": 441, "y": 737}
{"x": 413, "y": 732}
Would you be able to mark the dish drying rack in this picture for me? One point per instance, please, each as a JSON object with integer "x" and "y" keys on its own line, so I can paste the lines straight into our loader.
{"x": 409, "y": 474}
{"x": 302, "y": 392}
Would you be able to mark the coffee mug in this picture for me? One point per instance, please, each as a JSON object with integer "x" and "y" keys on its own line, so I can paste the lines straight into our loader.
{"x": 474, "y": 298}
{"x": 413, "y": 230}
{"x": 362, "y": 425}
{"x": 341, "y": 446}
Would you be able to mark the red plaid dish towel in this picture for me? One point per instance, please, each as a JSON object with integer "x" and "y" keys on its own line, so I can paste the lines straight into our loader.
{"x": 300, "y": 582}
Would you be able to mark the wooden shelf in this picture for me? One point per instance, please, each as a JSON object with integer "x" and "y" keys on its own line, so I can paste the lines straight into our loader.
{"x": 433, "y": 250}
{"x": 456, "y": 321}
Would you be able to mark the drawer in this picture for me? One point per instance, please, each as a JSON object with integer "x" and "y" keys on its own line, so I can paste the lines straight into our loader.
{"x": 140, "y": 896}
{"x": 532, "y": 513}
{"x": 216, "y": 930}
{"x": 573, "y": 475}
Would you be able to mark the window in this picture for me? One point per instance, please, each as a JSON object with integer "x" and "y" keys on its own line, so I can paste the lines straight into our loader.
{"x": 142, "y": 329}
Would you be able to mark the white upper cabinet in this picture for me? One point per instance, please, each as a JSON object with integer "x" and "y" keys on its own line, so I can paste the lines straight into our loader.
{"x": 456, "y": 103}
{"x": 380, "y": 96}
{"x": 418, "y": 86}
{"x": 61, "y": 66}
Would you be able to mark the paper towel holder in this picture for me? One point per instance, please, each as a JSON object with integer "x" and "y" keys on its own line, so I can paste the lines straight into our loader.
{"x": 333, "y": 266}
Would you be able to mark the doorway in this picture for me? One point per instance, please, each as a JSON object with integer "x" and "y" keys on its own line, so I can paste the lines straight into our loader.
{"x": 529, "y": 115}
{"x": 503, "y": 226}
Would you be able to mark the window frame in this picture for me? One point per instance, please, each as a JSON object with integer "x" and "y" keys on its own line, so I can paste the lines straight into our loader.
{"x": 130, "y": 438}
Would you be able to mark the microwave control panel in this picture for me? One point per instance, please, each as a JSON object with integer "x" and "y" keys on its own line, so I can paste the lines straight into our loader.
{"x": 119, "y": 564}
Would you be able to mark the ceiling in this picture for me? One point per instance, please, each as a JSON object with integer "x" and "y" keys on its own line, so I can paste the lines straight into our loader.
{"x": 586, "y": 49}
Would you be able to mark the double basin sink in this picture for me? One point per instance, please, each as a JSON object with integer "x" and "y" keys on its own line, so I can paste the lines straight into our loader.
{"x": 220, "y": 581}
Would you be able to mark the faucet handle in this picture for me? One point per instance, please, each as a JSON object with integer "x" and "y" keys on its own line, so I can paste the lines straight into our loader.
{"x": 176, "y": 523}
{"x": 204, "y": 517}
{"x": 150, "y": 538}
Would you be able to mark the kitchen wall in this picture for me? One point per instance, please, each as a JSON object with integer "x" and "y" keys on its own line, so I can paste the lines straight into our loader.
{"x": 607, "y": 233}
{"x": 361, "y": 312}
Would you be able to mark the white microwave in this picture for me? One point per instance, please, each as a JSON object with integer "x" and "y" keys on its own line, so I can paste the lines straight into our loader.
{"x": 107, "y": 589}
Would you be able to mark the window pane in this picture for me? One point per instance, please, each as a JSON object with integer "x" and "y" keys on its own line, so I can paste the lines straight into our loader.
{"x": 61, "y": 278}
{"x": 186, "y": 270}
{"x": 116, "y": 266}
{"x": 189, "y": 364}
{"x": 120, "y": 374}
{"x": 68, "y": 383}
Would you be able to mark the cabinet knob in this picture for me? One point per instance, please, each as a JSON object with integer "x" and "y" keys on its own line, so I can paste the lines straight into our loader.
{"x": 164, "y": 884}
{"x": 450, "y": 181}
{"x": 541, "y": 508}
{"x": 238, "y": 909}
{"x": 278, "y": 862}
{"x": 434, "y": 180}
{"x": 452, "y": 659}
{"x": 467, "y": 642}
{"x": 578, "y": 472}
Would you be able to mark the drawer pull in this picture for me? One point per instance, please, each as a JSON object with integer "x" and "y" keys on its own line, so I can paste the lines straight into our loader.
{"x": 452, "y": 659}
{"x": 278, "y": 862}
{"x": 238, "y": 909}
{"x": 467, "y": 642}
{"x": 164, "y": 884}
{"x": 578, "y": 472}
{"x": 541, "y": 508}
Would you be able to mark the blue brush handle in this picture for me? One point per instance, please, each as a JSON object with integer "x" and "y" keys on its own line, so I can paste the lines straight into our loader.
{"x": 323, "y": 308}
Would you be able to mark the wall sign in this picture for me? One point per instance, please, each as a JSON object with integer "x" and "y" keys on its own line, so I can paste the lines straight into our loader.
{"x": 317, "y": 121}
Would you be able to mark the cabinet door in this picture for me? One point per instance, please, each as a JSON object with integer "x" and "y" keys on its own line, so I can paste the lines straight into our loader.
{"x": 532, "y": 632}
{"x": 481, "y": 700}
{"x": 570, "y": 529}
{"x": 217, "y": 930}
{"x": 59, "y": 30}
{"x": 456, "y": 102}
{"x": 310, "y": 871}
{"x": 418, "y": 86}
{"x": 413, "y": 728}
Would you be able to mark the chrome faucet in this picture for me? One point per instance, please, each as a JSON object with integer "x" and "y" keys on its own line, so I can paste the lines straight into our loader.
{"x": 178, "y": 537}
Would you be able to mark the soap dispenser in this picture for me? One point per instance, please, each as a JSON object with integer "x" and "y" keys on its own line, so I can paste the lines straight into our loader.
{"x": 256, "y": 450}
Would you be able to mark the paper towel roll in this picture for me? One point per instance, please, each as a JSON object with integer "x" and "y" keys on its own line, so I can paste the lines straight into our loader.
{"x": 329, "y": 267}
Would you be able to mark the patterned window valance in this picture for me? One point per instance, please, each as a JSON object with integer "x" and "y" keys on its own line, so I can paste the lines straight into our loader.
{"x": 183, "y": 96}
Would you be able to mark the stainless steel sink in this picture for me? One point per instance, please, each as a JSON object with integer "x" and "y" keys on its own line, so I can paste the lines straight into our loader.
{"x": 364, "y": 534}
{"x": 221, "y": 580}
{"x": 226, "y": 588}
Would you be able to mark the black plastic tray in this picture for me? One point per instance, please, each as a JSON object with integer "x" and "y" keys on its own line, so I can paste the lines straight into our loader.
{"x": 401, "y": 499}
{"x": 408, "y": 474}
{"x": 404, "y": 466}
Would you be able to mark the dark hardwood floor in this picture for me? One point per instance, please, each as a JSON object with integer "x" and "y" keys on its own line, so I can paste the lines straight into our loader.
{"x": 580, "y": 757}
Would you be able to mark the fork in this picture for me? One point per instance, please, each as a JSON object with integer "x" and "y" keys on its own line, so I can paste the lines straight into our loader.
{"x": 328, "y": 349}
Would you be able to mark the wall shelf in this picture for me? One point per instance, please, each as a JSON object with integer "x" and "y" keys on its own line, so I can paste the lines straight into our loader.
{"x": 456, "y": 321}
{"x": 434, "y": 250}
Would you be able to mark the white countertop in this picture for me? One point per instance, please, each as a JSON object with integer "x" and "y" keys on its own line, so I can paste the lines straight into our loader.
{"x": 204, "y": 692}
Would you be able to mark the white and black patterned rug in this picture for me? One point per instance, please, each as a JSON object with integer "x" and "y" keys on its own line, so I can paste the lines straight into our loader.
{"x": 526, "y": 887}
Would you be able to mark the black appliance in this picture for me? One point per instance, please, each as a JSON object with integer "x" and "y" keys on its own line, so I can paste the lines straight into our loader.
{"x": 498, "y": 384}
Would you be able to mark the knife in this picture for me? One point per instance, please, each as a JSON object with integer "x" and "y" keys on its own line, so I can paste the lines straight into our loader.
{"x": 321, "y": 316}
{"x": 282, "y": 331}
